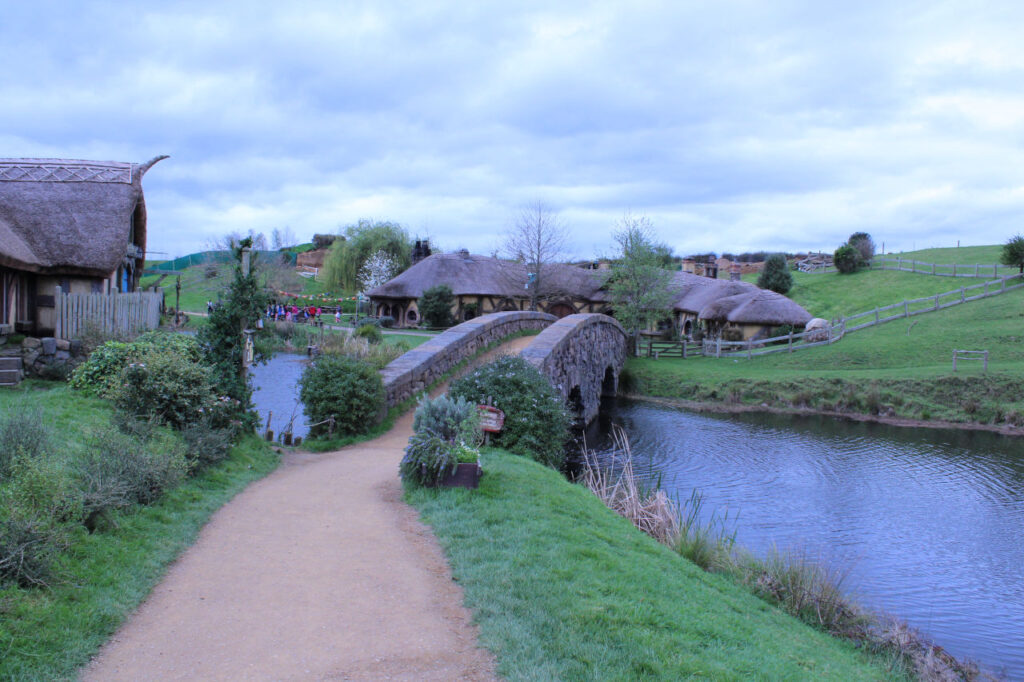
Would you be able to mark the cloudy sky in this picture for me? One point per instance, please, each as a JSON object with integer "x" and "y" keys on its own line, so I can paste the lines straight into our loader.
{"x": 732, "y": 126}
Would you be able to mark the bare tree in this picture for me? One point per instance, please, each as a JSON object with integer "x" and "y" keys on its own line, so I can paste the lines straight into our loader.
{"x": 282, "y": 238}
{"x": 227, "y": 242}
{"x": 537, "y": 240}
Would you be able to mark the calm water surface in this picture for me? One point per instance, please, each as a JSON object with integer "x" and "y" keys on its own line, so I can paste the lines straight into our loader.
{"x": 277, "y": 391}
{"x": 929, "y": 523}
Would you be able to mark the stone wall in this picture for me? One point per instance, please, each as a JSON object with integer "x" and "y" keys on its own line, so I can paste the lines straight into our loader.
{"x": 416, "y": 370}
{"x": 576, "y": 353}
{"x": 45, "y": 357}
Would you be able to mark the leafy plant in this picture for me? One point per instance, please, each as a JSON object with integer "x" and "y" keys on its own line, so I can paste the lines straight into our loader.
{"x": 776, "y": 275}
{"x": 428, "y": 457}
{"x": 168, "y": 387}
{"x": 536, "y": 420}
{"x": 342, "y": 388}
{"x": 100, "y": 373}
{"x": 1013, "y": 252}
{"x": 205, "y": 443}
{"x": 847, "y": 259}
{"x": 436, "y": 306}
{"x": 455, "y": 420}
{"x": 370, "y": 332}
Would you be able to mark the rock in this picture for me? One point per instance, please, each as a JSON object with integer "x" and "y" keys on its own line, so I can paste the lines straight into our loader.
{"x": 31, "y": 343}
{"x": 49, "y": 345}
{"x": 76, "y": 346}
{"x": 63, "y": 344}
{"x": 28, "y": 359}
{"x": 62, "y": 356}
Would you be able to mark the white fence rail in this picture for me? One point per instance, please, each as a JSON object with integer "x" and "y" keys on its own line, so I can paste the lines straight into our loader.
{"x": 827, "y": 335}
{"x": 977, "y": 270}
{"x": 110, "y": 313}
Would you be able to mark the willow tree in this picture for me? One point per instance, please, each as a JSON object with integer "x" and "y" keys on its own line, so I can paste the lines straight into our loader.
{"x": 362, "y": 241}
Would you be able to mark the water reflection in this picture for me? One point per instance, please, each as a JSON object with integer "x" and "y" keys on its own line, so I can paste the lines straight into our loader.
{"x": 277, "y": 391}
{"x": 929, "y": 522}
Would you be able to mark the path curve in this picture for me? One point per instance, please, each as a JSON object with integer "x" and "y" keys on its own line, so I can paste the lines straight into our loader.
{"x": 317, "y": 572}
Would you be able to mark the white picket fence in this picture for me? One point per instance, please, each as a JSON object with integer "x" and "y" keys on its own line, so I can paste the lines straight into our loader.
{"x": 837, "y": 330}
{"x": 111, "y": 313}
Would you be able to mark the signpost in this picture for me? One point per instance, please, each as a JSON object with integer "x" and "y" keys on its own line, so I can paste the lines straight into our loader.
{"x": 492, "y": 420}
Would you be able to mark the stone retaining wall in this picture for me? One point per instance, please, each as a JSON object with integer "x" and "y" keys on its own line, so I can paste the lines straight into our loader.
{"x": 577, "y": 352}
{"x": 416, "y": 370}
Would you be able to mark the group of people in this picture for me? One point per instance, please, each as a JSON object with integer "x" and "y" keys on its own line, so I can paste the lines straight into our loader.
{"x": 295, "y": 313}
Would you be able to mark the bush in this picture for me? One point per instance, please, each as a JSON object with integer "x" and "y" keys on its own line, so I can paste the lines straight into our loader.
{"x": 370, "y": 332}
{"x": 167, "y": 387}
{"x": 455, "y": 420}
{"x": 387, "y": 322}
{"x": 41, "y": 488}
{"x": 775, "y": 275}
{"x": 100, "y": 373}
{"x": 428, "y": 457}
{"x": 436, "y": 306}
{"x": 343, "y": 388}
{"x": 206, "y": 444}
{"x": 864, "y": 244}
{"x": 22, "y": 434}
{"x": 536, "y": 420}
{"x": 847, "y": 259}
{"x": 28, "y": 548}
{"x": 118, "y": 471}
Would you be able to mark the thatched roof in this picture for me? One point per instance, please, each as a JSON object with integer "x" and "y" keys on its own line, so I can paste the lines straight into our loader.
{"x": 474, "y": 275}
{"x": 69, "y": 216}
{"x": 762, "y": 306}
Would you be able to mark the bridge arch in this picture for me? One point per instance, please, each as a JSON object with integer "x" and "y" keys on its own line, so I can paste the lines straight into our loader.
{"x": 415, "y": 370}
{"x": 582, "y": 355}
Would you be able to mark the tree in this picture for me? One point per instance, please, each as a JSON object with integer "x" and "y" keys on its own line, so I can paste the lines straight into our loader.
{"x": 776, "y": 275}
{"x": 347, "y": 257}
{"x": 537, "y": 240}
{"x": 378, "y": 269}
{"x": 436, "y": 306}
{"x": 847, "y": 259}
{"x": 282, "y": 238}
{"x": 221, "y": 338}
{"x": 638, "y": 285}
{"x": 1013, "y": 252}
{"x": 864, "y": 244}
{"x": 231, "y": 240}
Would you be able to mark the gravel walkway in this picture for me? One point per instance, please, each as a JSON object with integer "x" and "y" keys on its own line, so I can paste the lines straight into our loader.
{"x": 317, "y": 572}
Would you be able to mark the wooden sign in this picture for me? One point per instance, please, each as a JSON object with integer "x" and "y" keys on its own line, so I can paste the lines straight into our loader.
{"x": 491, "y": 418}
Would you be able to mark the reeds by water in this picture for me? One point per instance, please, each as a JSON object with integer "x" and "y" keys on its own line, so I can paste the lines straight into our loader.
{"x": 803, "y": 587}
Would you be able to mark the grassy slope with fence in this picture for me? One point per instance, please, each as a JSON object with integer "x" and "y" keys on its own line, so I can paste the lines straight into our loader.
{"x": 900, "y": 369}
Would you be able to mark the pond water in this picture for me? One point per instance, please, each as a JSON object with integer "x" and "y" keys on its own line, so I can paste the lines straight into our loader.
{"x": 929, "y": 523}
{"x": 277, "y": 392}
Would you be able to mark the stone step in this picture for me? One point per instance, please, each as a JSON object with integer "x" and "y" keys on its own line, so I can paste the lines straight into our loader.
{"x": 10, "y": 362}
{"x": 9, "y": 377}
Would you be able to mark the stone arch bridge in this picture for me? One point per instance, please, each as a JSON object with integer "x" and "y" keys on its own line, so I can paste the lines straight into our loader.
{"x": 581, "y": 354}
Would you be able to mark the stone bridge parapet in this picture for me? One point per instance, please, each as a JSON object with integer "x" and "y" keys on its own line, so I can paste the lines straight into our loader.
{"x": 416, "y": 370}
{"x": 582, "y": 355}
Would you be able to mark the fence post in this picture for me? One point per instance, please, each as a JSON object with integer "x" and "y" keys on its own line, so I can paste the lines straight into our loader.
{"x": 718, "y": 351}
{"x": 791, "y": 341}
{"x": 1003, "y": 281}
{"x": 936, "y": 306}
{"x": 986, "y": 361}
{"x": 954, "y": 269}
{"x": 876, "y": 314}
{"x": 954, "y": 361}
{"x": 750, "y": 345}
{"x": 933, "y": 268}
{"x": 913, "y": 266}
{"x": 995, "y": 270}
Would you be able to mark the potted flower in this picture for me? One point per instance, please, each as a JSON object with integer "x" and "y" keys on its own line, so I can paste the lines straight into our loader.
{"x": 442, "y": 450}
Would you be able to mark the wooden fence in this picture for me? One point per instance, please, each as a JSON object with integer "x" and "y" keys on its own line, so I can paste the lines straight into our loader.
{"x": 837, "y": 330}
{"x": 978, "y": 271}
{"x": 110, "y": 313}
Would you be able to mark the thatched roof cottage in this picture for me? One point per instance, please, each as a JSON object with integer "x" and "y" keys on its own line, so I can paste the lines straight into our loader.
{"x": 482, "y": 285}
{"x": 80, "y": 225}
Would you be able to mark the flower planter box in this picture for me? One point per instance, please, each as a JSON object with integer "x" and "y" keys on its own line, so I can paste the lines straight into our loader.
{"x": 466, "y": 475}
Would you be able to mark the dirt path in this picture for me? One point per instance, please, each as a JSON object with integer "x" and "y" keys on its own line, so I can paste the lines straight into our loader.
{"x": 317, "y": 572}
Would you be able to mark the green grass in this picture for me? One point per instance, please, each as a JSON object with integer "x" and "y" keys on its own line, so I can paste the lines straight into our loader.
{"x": 48, "y": 634}
{"x": 410, "y": 340}
{"x": 964, "y": 255}
{"x": 904, "y": 365}
{"x": 562, "y": 588}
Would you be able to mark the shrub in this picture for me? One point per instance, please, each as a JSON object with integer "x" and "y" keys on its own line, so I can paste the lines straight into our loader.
{"x": 22, "y": 434}
{"x": 455, "y": 420}
{"x": 168, "y": 387}
{"x": 118, "y": 471}
{"x": 40, "y": 487}
{"x": 847, "y": 259}
{"x": 100, "y": 373}
{"x": 436, "y": 306}
{"x": 346, "y": 389}
{"x": 428, "y": 457}
{"x": 370, "y": 332}
{"x": 536, "y": 420}
{"x": 775, "y": 275}
{"x": 864, "y": 244}
{"x": 206, "y": 444}
{"x": 387, "y": 322}
{"x": 28, "y": 548}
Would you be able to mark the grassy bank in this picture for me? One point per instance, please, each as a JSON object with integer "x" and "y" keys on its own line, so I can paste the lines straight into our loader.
{"x": 902, "y": 369}
{"x": 562, "y": 588}
{"x": 48, "y": 633}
